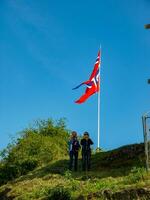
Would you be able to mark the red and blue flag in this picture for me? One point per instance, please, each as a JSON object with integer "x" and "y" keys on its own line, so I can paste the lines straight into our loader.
{"x": 93, "y": 84}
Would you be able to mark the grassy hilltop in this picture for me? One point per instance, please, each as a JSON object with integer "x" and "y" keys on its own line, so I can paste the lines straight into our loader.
{"x": 35, "y": 166}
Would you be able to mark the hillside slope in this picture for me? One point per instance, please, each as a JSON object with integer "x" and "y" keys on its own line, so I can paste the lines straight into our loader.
{"x": 117, "y": 174}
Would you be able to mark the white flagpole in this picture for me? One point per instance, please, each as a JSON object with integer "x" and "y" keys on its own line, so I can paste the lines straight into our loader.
{"x": 99, "y": 105}
{"x": 98, "y": 120}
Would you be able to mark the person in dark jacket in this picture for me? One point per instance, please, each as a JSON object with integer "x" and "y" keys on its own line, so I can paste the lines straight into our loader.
{"x": 86, "y": 143}
{"x": 74, "y": 147}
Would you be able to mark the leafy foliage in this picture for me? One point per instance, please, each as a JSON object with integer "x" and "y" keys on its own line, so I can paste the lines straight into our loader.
{"x": 42, "y": 143}
{"x": 136, "y": 175}
{"x": 58, "y": 193}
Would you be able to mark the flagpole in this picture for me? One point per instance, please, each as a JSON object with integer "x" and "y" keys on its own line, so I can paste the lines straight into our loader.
{"x": 98, "y": 124}
{"x": 98, "y": 119}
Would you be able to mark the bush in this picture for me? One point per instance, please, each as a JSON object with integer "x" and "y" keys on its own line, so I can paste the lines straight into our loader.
{"x": 58, "y": 193}
{"x": 68, "y": 175}
{"x": 11, "y": 171}
{"x": 136, "y": 175}
{"x": 40, "y": 144}
{"x": 27, "y": 165}
{"x": 8, "y": 172}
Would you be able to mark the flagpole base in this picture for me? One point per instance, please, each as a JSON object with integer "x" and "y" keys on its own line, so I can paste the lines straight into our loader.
{"x": 98, "y": 149}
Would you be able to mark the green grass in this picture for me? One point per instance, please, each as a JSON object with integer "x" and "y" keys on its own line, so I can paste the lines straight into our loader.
{"x": 112, "y": 173}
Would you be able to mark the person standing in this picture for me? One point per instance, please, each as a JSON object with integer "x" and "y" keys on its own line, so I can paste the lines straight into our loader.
{"x": 86, "y": 143}
{"x": 74, "y": 147}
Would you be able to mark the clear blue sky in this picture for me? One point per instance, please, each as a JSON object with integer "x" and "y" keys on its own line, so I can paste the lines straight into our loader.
{"x": 48, "y": 47}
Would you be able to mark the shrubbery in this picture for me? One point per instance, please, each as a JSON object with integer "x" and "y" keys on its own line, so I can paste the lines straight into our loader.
{"x": 136, "y": 175}
{"x": 58, "y": 193}
{"x": 37, "y": 145}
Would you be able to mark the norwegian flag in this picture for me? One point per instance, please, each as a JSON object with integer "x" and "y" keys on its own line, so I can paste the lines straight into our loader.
{"x": 92, "y": 84}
